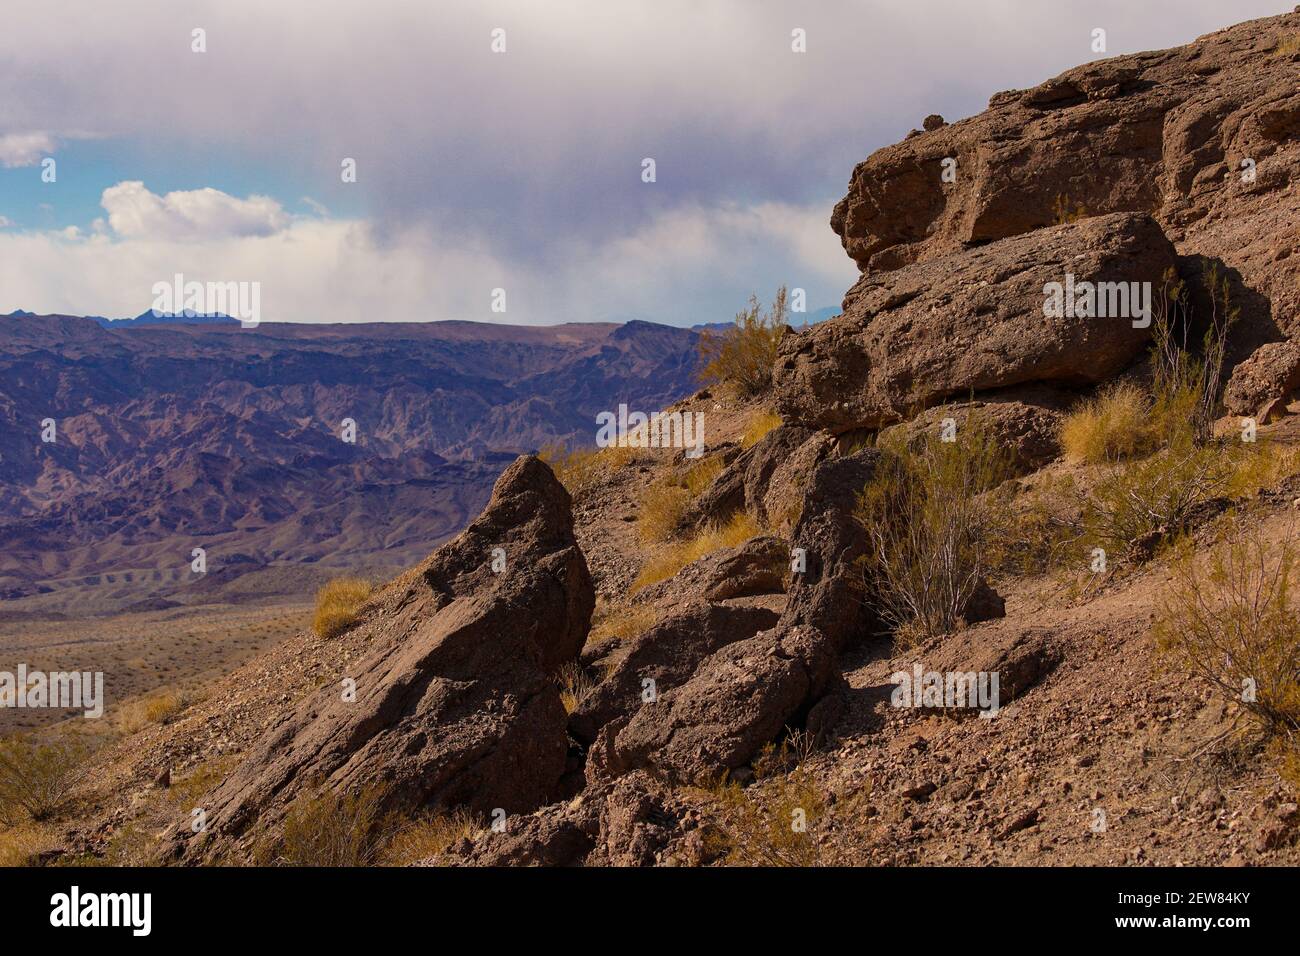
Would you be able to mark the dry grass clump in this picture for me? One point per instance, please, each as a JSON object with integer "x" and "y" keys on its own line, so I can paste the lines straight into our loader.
{"x": 759, "y": 424}
{"x": 20, "y": 843}
{"x": 581, "y": 468}
{"x": 37, "y": 778}
{"x": 666, "y": 500}
{"x": 158, "y": 708}
{"x": 739, "y": 529}
{"x": 424, "y": 838}
{"x": 620, "y": 620}
{"x": 337, "y": 605}
{"x": 575, "y": 684}
{"x": 1288, "y": 45}
{"x": 327, "y": 828}
{"x": 774, "y": 821}
{"x": 932, "y": 525}
{"x": 1117, "y": 423}
{"x": 1230, "y": 619}
{"x": 743, "y": 355}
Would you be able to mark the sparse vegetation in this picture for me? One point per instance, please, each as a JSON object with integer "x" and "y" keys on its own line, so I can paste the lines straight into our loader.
{"x": 36, "y": 778}
{"x": 581, "y": 468}
{"x": 337, "y": 604}
{"x": 774, "y": 821}
{"x": 621, "y": 620}
{"x": 1117, "y": 423}
{"x": 1065, "y": 212}
{"x": 1230, "y": 619}
{"x": 326, "y": 828}
{"x": 423, "y": 838}
{"x": 742, "y": 356}
{"x": 739, "y": 529}
{"x": 21, "y": 842}
{"x": 666, "y": 500}
{"x": 931, "y": 521}
{"x": 157, "y": 708}
{"x": 575, "y": 684}
{"x": 1288, "y": 45}
{"x": 759, "y": 424}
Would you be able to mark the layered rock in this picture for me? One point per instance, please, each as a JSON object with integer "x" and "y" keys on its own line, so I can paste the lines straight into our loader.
{"x": 457, "y": 703}
{"x": 975, "y": 321}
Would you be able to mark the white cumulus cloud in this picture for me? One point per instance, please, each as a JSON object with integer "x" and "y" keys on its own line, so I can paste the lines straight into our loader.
{"x": 24, "y": 149}
{"x": 135, "y": 212}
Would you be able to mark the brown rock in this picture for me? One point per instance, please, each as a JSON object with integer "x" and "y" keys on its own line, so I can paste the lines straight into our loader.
{"x": 1260, "y": 385}
{"x": 970, "y": 322}
{"x": 456, "y": 704}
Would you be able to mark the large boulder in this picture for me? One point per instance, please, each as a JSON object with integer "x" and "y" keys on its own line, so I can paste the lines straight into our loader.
{"x": 456, "y": 705}
{"x": 1204, "y": 137}
{"x": 970, "y": 322}
{"x": 1260, "y": 385}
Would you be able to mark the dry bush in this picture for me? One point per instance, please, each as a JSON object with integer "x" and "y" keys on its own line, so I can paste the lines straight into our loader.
{"x": 739, "y": 529}
{"x": 932, "y": 522}
{"x": 1137, "y": 506}
{"x": 701, "y": 474}
{"x": 1062, "y": 212}
{"x": 337, "y": 605}
{"x": 774, "y": 821}
{"x": 422, "y": 839}
{"x": 36, "y": 779}
{"x": 759, "y": 424}
{"x": 1229, "y": 620}
{"x": 743, "y": 355}
{"x": 327, "y": 828}
{"x": 575, "y": 684}
{"x": 1288, "y": 46}
{"x": 581, "y": 468}
{"x": 1117, "y": 423}
{"x": 158, "y": 708}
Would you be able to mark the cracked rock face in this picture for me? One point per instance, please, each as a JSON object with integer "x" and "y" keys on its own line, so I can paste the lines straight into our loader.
{"x": 975, "y": 321}
{"x": 456, "y": 705}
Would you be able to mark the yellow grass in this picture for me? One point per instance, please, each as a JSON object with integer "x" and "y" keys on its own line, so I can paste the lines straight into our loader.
{"x": 622, "y": 621}
{"x": 676, "y": 556}
{"x": 422, "y": 839}
{"x": 1117, "y": 423}
{"x": 21, "y": 842}
{"x": 759, "y": 424}
{"x": 337, "y": 604}
{"x": 158, "y": 708}
{"x": 583, "y": 467}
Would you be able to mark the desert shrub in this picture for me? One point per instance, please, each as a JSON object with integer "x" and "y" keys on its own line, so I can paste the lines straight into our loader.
{"x": 701, "y": 474}
{"x": 1116, "y": 423}
{"x": 931, "y": 519}
{"x": 759, "y": 424}
{"x": 1188, "y": 384}
{"x": 157, "y": 708}
{"x": 1042, "y": 528}
{"x": 36, "y": 779}
{"x": 581, "y": 468}
{"x": 774, "y": 821}
{"x": 1139, "y": 505}
{"x": 337, "y": 604}
{"x": 575, "y": 684}
{"x": 744, "y": 354}
{"x": 1229, "y": 619}
{"x": 737, "y": 530}
{"x": 427, "y": 837}
{"x": 326, "y": 828}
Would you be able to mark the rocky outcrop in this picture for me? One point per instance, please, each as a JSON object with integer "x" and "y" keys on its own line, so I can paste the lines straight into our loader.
{"x": 1205, "y": 138}
{"x": 1024, "y": 421}
{"x": 1260, "y": 385}
{"x": 971, "y": 322}
{"x": 667, "y": 654}
{"x": 758, "y": 566}
{"x": 744, "y": 483}
{"x": 456, "y": 705}
{"x": 747, "y": 693}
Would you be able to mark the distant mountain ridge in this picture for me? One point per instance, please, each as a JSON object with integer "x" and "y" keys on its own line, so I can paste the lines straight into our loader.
{"x": 175, "y": 435}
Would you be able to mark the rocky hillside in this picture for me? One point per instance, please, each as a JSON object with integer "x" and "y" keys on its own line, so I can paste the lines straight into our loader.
{"x": 563, "y": 685}
{"x": 171, "y": 437}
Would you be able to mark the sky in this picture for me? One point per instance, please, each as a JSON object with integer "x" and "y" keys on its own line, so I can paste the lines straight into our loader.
{"x": 497, "y": 145}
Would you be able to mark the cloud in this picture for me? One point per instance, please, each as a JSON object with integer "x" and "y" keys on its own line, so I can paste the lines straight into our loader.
{"x": 5, "y": 222}
{"x": 686, "y": 265}
{"x": 24, "y": 149}
{"x": 135, "y": 212}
